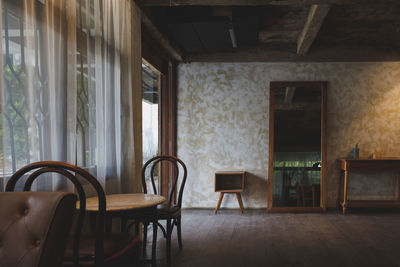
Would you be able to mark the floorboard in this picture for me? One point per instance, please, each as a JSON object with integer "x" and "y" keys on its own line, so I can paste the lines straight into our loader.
{"x": 258, "y": 238}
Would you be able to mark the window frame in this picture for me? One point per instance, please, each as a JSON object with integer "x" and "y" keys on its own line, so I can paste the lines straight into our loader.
{"x": 159, "y": 59}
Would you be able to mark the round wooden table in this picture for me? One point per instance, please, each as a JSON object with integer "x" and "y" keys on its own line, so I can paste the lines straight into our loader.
{"x": 130, "y": 205}
{"x": 124, "y": 202}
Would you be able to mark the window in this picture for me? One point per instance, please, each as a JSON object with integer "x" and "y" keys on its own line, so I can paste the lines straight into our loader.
{"x": 68, "y": 91}
{"x": 151, "y": 80}
{"x": 24, "y": 131}
{"x": 159, "y": 71}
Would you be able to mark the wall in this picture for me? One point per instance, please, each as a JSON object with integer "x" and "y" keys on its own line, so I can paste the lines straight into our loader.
{"x": 223, "y": 114}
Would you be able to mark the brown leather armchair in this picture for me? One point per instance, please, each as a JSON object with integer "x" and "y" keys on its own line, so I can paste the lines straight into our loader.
{"x": 97, "y": 248}
{"x": 34, "y": 227}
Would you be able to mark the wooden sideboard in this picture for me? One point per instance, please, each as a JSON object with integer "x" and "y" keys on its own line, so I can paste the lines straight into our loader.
{"x": 347, "y": 165}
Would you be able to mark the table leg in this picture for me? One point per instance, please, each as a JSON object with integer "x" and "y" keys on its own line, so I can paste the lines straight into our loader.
{"x": 239, "y": 198}
{"x": 339, "y": 189}
{"x": 124, "y": 221}
{"x": 108, "y": 223}
{"x": 346, "y": 178}
{"x": 221, "y": 196}
{"x": 92, "y": 221}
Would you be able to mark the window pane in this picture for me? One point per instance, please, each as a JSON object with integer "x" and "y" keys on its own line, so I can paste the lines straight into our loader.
{"x": 150, "y": 116}
{"x": 22, "y": 119}
{"x": 86, "y": 85}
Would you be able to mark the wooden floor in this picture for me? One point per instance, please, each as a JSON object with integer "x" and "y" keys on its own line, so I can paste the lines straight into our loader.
{"x": 258, "y": 238}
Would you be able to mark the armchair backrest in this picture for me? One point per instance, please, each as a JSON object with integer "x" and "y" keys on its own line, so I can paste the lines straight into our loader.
{"x": 34, "y": 227}
{"x": 32, "y": 171}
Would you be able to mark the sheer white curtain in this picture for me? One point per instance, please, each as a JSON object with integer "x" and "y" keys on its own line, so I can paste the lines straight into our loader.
{"x": 106, "y": 27}
{"x": 38, "y": 86}
{"x": 67, "y": 89}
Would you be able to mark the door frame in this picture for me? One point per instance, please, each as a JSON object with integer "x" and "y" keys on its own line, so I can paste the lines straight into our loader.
{"x": 323, "y": 85}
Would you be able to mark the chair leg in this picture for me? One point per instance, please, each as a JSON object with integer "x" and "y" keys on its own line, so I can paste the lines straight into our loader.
{"x": 145, "y": 225}
{"x": 154, "y": 244}
{"x": 162, "y": 229}
{"x": 169, "y": 230}
{"x": 178, "y": 228}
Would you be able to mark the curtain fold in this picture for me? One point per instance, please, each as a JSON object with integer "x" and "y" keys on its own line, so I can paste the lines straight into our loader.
{"x": 113, "y": 90}
{"x": 68, "y": 91}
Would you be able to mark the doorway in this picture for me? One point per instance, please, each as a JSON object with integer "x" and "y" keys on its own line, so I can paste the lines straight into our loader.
{"x": 297, "y": 146}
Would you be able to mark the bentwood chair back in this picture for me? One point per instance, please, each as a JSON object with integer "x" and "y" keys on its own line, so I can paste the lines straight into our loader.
{"x": 171, "y": 211}
{"x": 32, "y": 171}
{"x": 175, "y": 162}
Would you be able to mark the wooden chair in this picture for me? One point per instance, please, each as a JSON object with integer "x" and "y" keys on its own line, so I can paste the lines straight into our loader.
{"x": 97, "y": 248}
{"x": 170, "y": 211}
{"x": 310, "y": 195}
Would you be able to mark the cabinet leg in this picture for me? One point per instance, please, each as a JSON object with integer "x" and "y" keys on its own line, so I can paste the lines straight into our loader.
{"x": 239, "y": 198}
{"x": 221, "y": 196}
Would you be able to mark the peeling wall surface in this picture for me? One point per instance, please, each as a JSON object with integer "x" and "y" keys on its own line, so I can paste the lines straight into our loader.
{"x": 223, "y": 117}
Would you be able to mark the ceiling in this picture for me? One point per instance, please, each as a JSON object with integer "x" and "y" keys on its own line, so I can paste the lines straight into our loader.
{"x": 291, "y": 30}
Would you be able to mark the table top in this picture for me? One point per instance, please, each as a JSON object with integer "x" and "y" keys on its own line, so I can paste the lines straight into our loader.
{"x": 365, "y": 164}
{"x": 121, "y": 202}
{"x": 368, "y": 159}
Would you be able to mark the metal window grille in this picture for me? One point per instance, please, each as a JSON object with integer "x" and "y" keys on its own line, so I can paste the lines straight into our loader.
{"x": 22, "y": 130}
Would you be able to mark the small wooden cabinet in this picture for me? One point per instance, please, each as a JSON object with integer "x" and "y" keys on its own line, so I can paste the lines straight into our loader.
{"x": 229, "y": 182}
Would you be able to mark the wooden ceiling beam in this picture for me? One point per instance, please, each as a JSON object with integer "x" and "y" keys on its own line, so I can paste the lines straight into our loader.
{"x": 317, "y": 54}
{"x": 158, "y": 37}
{"x": 153, "y": 3}
{"x": 222, "y": 11}
{"x": 315, "y": 18}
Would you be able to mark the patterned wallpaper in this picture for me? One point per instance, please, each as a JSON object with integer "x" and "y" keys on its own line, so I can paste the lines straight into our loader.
{"x": 223, "y": 113}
